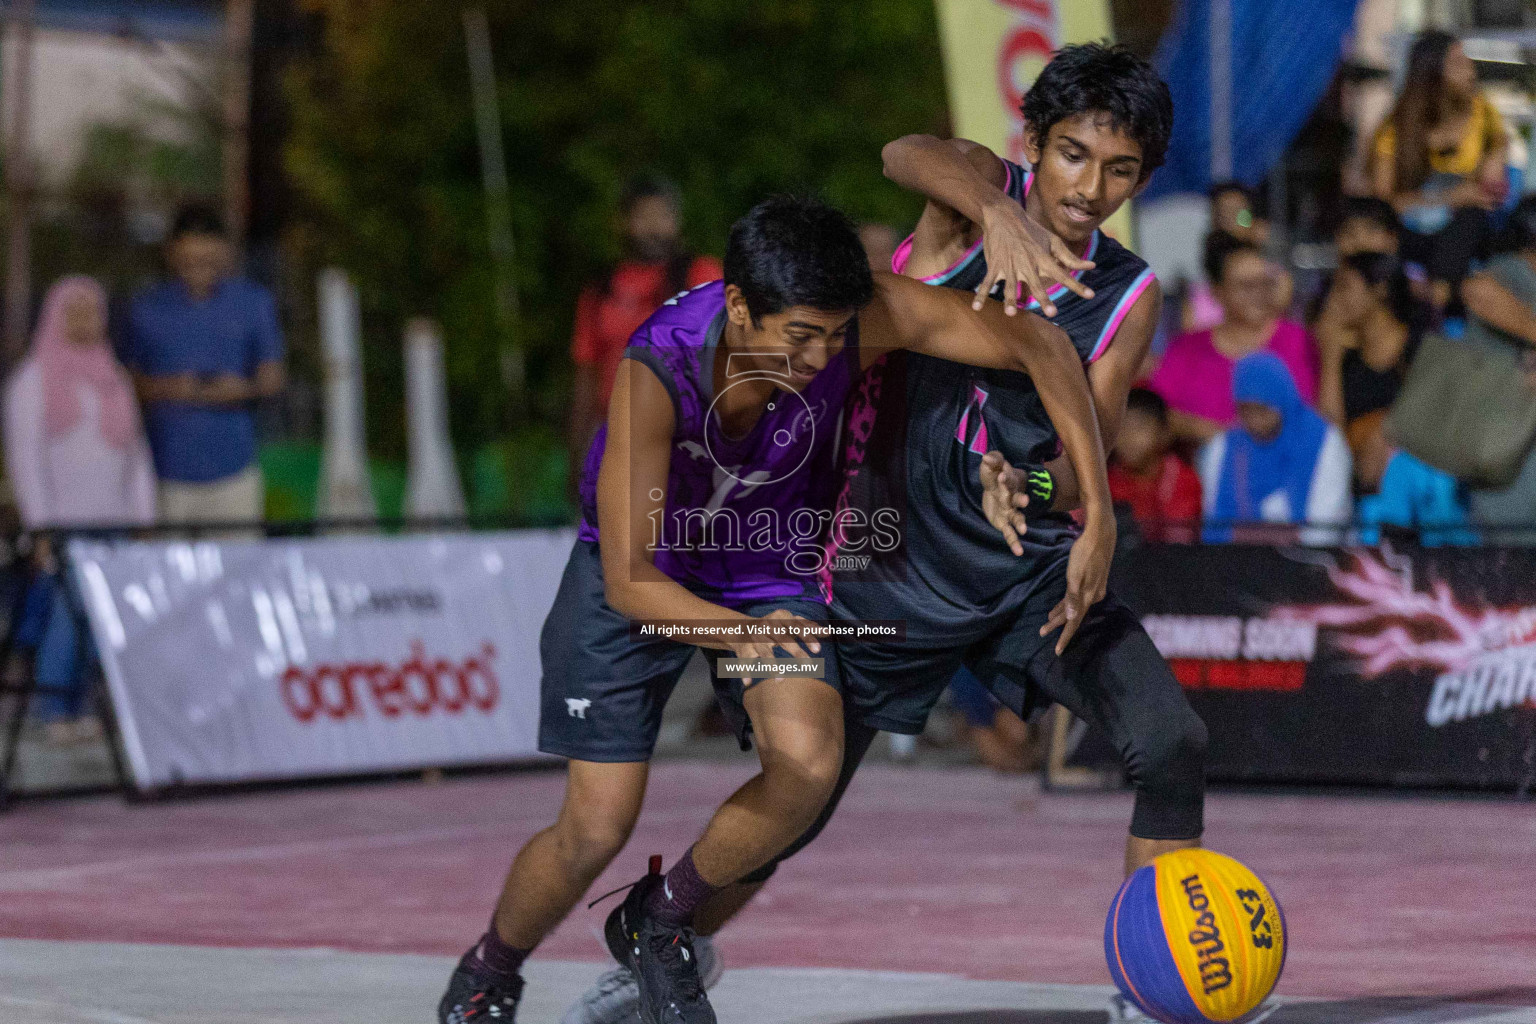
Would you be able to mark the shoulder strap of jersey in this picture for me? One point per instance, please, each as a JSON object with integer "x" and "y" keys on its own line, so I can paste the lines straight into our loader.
{"x": 1120, "y": 278}
{"x": 1018, "y": 179}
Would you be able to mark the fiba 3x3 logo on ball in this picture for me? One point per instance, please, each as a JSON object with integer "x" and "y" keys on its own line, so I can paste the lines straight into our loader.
{"x": 1195, "y": 937}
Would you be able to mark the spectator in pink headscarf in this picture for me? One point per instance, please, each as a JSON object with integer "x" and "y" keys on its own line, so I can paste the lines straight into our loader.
{"x": 76, "y": 454}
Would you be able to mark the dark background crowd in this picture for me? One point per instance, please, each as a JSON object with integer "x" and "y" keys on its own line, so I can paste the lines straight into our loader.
{"x": 1372, "y": 297}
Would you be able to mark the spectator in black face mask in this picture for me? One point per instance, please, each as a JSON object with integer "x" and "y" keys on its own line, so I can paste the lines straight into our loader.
{"x": 1367, "y": 333}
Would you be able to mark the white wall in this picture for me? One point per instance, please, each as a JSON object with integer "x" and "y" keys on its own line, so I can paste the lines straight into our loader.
{"x": 80, "y": 78}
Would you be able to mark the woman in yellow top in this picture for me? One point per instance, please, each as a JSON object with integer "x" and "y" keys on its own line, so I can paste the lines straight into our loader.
{"x": 1439, "y": 160}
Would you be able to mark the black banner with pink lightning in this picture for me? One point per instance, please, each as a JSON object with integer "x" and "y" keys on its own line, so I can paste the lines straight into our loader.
{"x": 1375, "y": 666}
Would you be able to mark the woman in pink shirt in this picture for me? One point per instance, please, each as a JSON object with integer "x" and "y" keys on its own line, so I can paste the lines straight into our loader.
{"x": 1195, "y": 377}
{"x": 76, "y": 455}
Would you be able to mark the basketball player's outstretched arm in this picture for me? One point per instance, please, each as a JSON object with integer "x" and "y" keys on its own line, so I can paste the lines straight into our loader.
{"x": 963, "y": 181}
{"x": 939, "y": 322}
{"x": 631, "y": 502}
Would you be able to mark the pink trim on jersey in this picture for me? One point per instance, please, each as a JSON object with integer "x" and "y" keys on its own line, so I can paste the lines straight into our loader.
{"x": 904, "y": 250}
{"x": 979, "y": 444}
{"x": 1057, "y": 292}
{"x": 1122, "y": 308}
{"x": 978, "y": 401}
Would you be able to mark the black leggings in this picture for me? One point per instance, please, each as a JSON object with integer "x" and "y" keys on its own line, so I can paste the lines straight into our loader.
{"x": 1111, "y": 676}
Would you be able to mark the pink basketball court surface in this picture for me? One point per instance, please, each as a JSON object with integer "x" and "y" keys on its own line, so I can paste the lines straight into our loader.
{"x": 1398, "y": 907}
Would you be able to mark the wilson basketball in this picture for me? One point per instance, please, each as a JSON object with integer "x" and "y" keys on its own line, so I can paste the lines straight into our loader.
{"x": 1195, "y": 937}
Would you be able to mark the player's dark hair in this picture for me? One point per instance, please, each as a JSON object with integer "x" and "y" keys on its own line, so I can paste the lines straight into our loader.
{"x": 795, "y": 251}
{"x": 1221, "y": 246}
{"x": 197, "y": 219}
{"x": 1369, "y": 208}
{"x": 1148, "y": 403}
{"x": 1104, "y": 79}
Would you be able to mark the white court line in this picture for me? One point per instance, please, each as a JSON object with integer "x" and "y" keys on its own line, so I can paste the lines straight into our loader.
{"x": 30, "y": 879}
{"x": 93, "y": 1013}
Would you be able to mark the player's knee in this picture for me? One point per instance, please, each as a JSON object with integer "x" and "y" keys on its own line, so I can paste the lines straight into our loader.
{"x": 1171, "y": 756}
{"x": 805, "y": 773}
{"x": 589, "y": 842}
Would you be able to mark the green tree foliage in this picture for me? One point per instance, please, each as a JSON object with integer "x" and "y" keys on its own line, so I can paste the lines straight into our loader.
{"x": 732, "y": 100}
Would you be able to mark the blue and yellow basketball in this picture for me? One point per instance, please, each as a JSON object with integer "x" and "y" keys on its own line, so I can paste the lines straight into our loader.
{"x": 1195, "y": 937}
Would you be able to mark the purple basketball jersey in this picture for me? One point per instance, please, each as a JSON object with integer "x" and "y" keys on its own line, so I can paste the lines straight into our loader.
{"x": 744, "y": 517}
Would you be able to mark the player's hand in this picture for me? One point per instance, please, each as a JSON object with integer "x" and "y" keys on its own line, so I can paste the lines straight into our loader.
{"x": 761, "y": 648}
{"x": 1003, "y": 498}
{"x": 1027, "y": 258}
{"x": 1087, "y": 580}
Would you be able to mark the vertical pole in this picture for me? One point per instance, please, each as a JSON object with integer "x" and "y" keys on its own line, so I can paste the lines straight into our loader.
{"x": 432, "y": 486}
{"x": 19, "y": 182}
{"x": 498, "y": 205}
{"x": 1279, "y": 211}
{"x": 239, "y": 24}
{"x": 344, "y": 485}
{"x": 1221, "y": 90}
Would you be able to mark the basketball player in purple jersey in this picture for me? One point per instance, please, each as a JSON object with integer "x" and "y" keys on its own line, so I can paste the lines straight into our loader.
{"x": 705, "y": 497}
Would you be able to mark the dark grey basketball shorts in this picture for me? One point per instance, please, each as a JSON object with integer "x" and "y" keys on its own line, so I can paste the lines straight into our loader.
{"x": 602, "y": 692}
{"x": 1110, "y": 675}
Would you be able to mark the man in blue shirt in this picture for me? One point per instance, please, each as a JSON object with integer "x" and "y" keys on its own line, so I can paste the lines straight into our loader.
{"x": 204, "y": 347}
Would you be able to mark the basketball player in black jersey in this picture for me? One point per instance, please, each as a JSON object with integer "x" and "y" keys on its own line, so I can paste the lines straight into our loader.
{"x": 1097, "y": 122}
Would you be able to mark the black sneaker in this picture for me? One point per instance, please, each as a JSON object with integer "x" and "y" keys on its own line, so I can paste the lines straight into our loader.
{"x": 661, "y": 959}
{"x": 474, "y": 996}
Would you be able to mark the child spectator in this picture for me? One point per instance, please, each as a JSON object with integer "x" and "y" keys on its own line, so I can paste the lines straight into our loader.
{"x": 1002, "y": 740}
{"x": 1162, "y": 491}
{"x": 77, "y": 456}
{"x": 1195, "y": 377}
{"x": 1368, "y": 331}
{"x": 1283, "y": 464}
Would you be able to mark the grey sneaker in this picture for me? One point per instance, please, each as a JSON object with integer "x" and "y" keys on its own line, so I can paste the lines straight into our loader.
{"x": 615, "y": 998}
{"x": 1123, "y": 1011}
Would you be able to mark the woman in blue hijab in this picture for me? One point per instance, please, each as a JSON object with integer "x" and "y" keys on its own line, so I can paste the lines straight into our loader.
{"x": 1283, "y": 463}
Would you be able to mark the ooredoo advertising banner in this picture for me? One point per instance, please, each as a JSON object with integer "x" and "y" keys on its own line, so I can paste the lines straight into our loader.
{"x": 235, "y": 661}
{"x": 1359, "y": 665}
